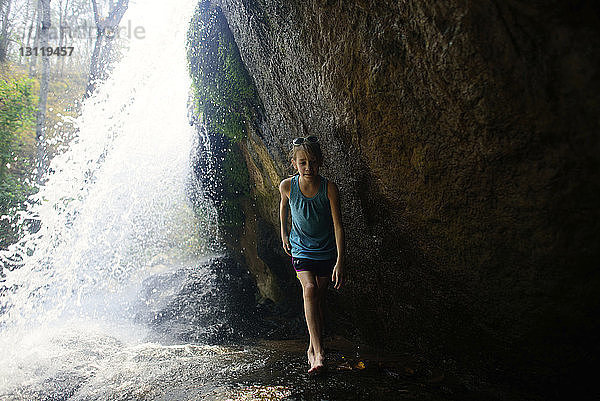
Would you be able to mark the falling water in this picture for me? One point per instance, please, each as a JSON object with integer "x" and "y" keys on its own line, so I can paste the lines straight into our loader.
{"x": 116, "y": 200}
{"x": 115, "y": 213}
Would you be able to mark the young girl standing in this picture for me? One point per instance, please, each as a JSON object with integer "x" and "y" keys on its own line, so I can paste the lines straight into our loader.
{"x": 316, "y": 239}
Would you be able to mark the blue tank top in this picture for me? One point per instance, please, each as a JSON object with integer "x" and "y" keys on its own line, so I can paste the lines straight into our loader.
{"x": 312, "y": 235}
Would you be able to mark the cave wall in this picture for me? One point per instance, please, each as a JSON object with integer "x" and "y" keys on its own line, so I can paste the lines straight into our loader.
{"x": 463, "y": 136}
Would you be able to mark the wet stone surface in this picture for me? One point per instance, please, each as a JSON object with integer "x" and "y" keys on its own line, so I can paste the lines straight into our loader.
{"x": 274, "y": 370}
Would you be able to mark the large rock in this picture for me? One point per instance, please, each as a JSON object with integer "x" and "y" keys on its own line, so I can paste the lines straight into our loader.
{"x": 464, "y": 139}
{"x": 212, "y": 301}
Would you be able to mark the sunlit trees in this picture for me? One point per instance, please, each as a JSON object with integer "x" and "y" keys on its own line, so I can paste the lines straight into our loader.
{"x": 106, "y": 29}
{"x": 35, "y": 108}
{"x": 17, "y": 116}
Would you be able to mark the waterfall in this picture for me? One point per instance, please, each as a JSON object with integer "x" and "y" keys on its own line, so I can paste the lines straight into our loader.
{"x": 114, "y": 210}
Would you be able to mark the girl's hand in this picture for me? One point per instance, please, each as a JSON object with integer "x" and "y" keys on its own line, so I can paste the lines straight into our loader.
{"x": 338, "y": 275}
{"x": 286, "y": 245}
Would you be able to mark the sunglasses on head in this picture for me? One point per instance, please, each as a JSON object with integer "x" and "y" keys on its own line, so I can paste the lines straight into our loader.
{"x": 309, "y": 139}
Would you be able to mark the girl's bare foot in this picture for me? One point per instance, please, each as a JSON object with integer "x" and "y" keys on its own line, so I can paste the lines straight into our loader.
{"x": 318, "y": 364}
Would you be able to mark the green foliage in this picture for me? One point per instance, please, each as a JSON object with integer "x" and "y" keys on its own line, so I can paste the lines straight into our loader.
{"x": 17, "y": 118}
{"x": 17, "y": 114}
{"x": 224, "y": 90}
{"x": 18, "y": 148}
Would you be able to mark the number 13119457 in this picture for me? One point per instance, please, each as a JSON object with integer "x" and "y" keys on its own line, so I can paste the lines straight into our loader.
{"x": 47, "y": 51}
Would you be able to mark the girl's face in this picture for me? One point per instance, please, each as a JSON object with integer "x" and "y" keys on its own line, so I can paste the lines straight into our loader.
{"x": 307, "y": 166}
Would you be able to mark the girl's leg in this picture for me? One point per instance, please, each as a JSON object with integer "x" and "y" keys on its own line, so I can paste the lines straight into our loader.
{"x": 322, "y": 284}
{"x": 311, "y": 312}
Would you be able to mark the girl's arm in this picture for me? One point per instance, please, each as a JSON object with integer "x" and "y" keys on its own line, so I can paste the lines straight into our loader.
{"x": 334, "y": 201}
{"x": 284, "y": 190}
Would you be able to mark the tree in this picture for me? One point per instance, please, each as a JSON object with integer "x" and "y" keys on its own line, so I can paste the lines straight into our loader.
{"x": 5, "y": 7}
{"x": 62, "y": 25}
{"x": 26, "y": 34}
{"x": 105, "y": 29}
{"x": 41, "y": 114}
{"x": 37, "y": 17}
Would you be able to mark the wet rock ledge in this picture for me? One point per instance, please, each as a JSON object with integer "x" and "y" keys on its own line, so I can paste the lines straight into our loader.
{"x": 464, "y": 137}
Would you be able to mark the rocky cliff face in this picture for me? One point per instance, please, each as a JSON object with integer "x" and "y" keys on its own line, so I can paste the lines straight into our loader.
{"x": 463, "y": 136}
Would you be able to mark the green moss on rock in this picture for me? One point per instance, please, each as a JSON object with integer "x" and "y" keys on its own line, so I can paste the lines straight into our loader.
{"x": 224, "y": 91}
{"x": 235, "y": 174}
{"x": 225, "y": 98}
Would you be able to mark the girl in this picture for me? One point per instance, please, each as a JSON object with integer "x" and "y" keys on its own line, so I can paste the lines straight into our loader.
{"x": 316, "y": 240}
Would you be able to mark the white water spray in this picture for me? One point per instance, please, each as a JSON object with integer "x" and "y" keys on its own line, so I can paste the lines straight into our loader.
{"x": 114, "y": 210}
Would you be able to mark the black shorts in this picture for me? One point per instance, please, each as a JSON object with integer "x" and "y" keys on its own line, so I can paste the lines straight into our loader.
{"x": 321, "y": 268}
